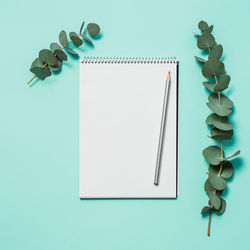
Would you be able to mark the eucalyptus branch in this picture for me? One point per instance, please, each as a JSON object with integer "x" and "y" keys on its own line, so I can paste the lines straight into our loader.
{"x": 51, "y": 60}
{"x": 220, "y": 168}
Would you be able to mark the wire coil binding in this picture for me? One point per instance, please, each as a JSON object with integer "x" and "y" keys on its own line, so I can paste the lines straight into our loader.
{"x": 126, "y": 60}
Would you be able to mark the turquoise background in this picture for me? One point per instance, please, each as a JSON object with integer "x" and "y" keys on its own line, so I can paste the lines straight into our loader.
{"x": 39, "y": 204}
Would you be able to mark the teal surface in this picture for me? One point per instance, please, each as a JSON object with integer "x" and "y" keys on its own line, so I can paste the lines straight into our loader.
{"x": 39, "y": 204}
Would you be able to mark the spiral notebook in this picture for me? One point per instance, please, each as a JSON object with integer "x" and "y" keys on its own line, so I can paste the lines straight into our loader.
{"x": 120, "y": 109}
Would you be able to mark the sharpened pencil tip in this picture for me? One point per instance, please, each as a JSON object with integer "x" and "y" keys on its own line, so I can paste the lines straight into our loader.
{"x": 168, "y": 77}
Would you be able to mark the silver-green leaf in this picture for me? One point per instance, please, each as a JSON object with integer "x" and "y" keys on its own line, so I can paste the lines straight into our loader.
{"x": 217, "y": 182}
{"x": 218, "y": 134}
{"x": 213, "y": 155}
{"x": 203, "y": 25}
{"x": 205, "y": 41}
{"x": 57, "y": 50}
{"x": 223, "y": 83}
{"x": 63, "y": 38}
{"x": 72, "y": 52}
{"x": 220, "y": 122}
{"x": 75, "y": 38}
{"x": 47, "y": 56}
{"x": 210, "y": 86}
{"x": 205, "y": 209}
{"x": 222, "y": 208}
{"x": 87, "y": 39}
{"x": 213, "y": 67}
{"x": 214, "y": 199}
{"x": 82, "y": 27}
{"x": 41, "y": 72}
{"x": 222, "y": 106}
{"x": 93, "y": 29}
{"x": 216, "y": 52}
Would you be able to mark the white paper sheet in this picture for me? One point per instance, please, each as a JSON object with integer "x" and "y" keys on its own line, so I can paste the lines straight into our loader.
{"x": 120, "y": 115}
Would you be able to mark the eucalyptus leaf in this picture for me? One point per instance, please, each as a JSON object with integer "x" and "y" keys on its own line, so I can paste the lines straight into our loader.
{"x": 63, "y": 38}
{"x": 87, "y": 39}
{"x": 232, "y": 156}
{"x": 222, "y": 208}
{"x": 210, "y": 86}
{"x": 222, "y": 83}
{"x": 75, "y": 38}
{"x": 57, "y": 50}
{"x": 199, "y": 59}
{"x": 220, "y": 122}
{"x": 205, "y": 41}
{"x": 214, "y": 199}
{"x": 47, "y": 56}
{"x": 227, "y": 170}
{"x": 203, "y": 25}
{"x": 216, "y": 52}
{"x": 213, "y": 67}
{"x": 213, "y": 154}
{"x": 82, "y": 27}
{"x": 208, "y": 187}
{"x": 219, "y": 134}
{"x": 210, "y": 29}
{"x": 72, "y": 52}
{"x": 41, "y": 72}
{"x": 55, "y": 46}
{"x": 93, "y": 29}
{"x": 205, "y": 209}
{"x": 220, "y": 107}
{"x": 37, "y": 63}
{"x": 217, "y": 182}
{"x": 57, "y": 66}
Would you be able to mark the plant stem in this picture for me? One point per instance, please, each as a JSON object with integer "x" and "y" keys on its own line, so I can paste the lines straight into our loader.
{"x": 209, "y": 222}
{"x": 221, "y": 155}
{"x": 55, "y": 55}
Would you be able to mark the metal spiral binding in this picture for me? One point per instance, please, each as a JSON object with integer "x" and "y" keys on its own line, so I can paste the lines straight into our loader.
{"x": 127, "y": 60}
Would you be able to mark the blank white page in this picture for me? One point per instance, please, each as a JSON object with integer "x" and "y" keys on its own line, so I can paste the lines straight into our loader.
{"x": 120, "y": 111}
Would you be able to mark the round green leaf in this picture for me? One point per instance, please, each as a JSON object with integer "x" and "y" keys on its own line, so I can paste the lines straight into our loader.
{"x": 222, "y": 208}
{"x": 87, "y": 39}
{"x": 57, "y": 50}
{"x": 222, "y": 108}
{"x": 208, "y": 187}
{"x": 47, "y": 56}
{"x": 63, "y": 38}
{"x": 202, "y": 25}
{"x": 205, "y": 209}
{"x": 216, "y": 52}
{"x": 93, "y": 29}
{"x": 205, "y": 41}
{"x": 72, "y": 52}
{"x": 217, "y": 182}
{"x": 57, "y": 66}
{"x": 212, "y": 155}
{"x": 41, "y": 72}
{"x": 210, "y": 86}
{"x": 54, "y": 46}
{"x": 223, "y": 83}
{"x": 220, "y": 122}
{"x": 213, "y": 67}
{"x": 213, "y": 170}
{"x": 227, "y": 170}
{"x": 37, "y": 63}
{"x": 214, "y": 199}
{"x": 75, "y": 38}
{"x": 219, "y": 134}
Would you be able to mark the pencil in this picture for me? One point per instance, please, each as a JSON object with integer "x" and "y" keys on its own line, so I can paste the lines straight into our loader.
{"x": 161, "y": 137}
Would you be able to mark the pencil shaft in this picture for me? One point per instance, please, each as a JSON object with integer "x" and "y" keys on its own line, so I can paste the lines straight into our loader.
{"x": 161, "y": 137}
